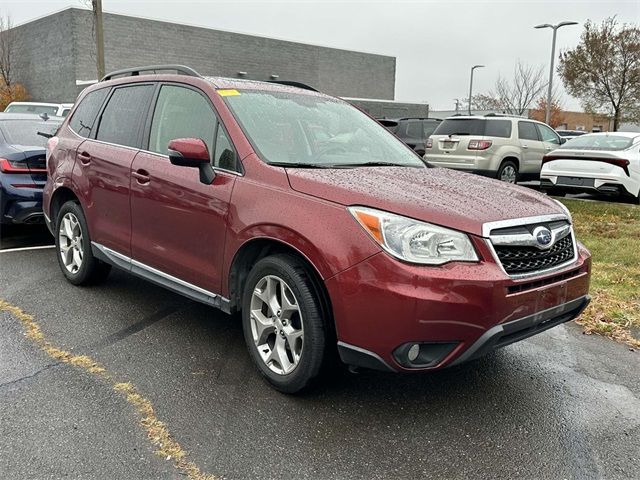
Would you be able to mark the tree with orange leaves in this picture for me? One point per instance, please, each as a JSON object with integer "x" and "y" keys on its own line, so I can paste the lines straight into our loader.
{"x": 557, "y": 115}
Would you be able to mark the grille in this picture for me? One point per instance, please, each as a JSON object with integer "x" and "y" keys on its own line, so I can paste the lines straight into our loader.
{"x": 519, "y": 259}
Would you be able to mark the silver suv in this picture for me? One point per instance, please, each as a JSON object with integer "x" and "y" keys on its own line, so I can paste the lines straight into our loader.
{"x": 499, "y": 146}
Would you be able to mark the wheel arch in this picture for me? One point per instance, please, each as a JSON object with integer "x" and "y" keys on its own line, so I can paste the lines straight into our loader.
{"x": 254, "y": 250}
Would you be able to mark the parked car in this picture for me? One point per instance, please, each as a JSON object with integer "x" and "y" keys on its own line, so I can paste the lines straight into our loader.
{"x": 569, "y": 134}
{"x": 39, "y": 108}
{"x": 225, "y": 191}
{"x": 413, "y": 131}
{"x": 605, "y": 162}
{"x": 22, "y": 166}
{"x": 508, "y": 148}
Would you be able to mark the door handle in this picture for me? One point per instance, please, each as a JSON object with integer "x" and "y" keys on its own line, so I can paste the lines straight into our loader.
{"x": 85, "y": 158}
{"x": 141, "y": 176}
{"x": 525, "y": 146}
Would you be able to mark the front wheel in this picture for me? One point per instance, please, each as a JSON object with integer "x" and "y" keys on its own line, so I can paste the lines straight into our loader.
{"x": 508, "y": 172}
{"x": 283, "y": 323}
{"x": 73, "y": 245}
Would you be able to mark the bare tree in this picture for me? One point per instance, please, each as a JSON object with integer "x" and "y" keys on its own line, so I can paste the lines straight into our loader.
{"x": 517, "y": 95}
{"x": 603, "y": 70}
{"x": 6, "y": 49}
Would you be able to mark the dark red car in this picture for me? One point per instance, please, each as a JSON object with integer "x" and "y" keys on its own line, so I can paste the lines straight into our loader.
{"x": 310, "y": 218}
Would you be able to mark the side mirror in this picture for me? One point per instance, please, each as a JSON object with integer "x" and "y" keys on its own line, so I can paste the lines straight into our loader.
{"x": 192, "y": 152}
{"x": 563, "y": 140}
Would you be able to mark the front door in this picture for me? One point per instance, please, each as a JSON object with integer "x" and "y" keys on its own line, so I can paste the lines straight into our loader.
{"x": 532, "y": 148}
{"x": 179, "y": 223}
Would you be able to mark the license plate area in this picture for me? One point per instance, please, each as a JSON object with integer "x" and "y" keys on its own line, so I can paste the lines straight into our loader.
{"x": 576, "y": 181}
{"x": 448, "y": 145}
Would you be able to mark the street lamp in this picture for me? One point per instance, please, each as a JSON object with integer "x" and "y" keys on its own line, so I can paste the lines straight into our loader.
{"x": 555, "y": 28}
{"x": 471, "y": 84}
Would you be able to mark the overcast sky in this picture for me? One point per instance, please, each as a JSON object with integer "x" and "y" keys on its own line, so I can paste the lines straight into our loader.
{"x": 435, "y": 42}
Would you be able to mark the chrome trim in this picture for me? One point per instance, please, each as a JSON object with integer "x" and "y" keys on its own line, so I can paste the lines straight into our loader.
{"x": 528, "y": 240}
{"x": 517, "y": 222}
{"x": 164, "y": 279}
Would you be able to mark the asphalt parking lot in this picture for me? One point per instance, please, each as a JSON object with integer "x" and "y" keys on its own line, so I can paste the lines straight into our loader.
{"x": 559, "y": 405}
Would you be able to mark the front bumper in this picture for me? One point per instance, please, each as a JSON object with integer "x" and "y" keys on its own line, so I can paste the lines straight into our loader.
{"x": 458, "y": 311}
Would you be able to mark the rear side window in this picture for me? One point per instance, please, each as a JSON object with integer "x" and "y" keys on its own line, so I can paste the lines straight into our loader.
{"x": 461, "y": 126}
{"x": 181, "y": 113}
{"x": 85, "y": 114}
{"x": 498, "y": 128}
{"x": 122, "y": 118}
{"x": 527, "y": 131}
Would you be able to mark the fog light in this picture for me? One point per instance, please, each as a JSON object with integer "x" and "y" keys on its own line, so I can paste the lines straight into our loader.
{"x": 413, "y": 352}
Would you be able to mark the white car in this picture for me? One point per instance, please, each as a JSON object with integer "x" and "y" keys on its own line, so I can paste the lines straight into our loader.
{"x": 39, "y": 108}
{"x": 607, "y": 162}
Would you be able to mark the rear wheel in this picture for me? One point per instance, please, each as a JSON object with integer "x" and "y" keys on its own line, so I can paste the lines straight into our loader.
{"x": 283, "y": 324}
{"x": 73, "y": 245}
{"x": 508, "y": 172}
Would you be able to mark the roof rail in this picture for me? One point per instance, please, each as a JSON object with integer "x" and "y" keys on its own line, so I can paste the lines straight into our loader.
{"x": 504, "y": 115}
{"x": 292, "y": 83}
{"x": 132, "y": 72}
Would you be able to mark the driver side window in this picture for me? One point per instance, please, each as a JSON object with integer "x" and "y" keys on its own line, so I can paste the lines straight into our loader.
{"x": 181, "y": 113}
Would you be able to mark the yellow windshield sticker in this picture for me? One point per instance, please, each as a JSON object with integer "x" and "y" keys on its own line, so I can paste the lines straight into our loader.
{"x": 228, "y": 93}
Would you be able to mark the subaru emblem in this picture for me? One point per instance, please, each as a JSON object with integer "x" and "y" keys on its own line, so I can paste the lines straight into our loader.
{"x": 543, "y": 236}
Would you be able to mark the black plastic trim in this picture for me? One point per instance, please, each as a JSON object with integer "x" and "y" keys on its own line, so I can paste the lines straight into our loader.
{"x": 359, "y": 357}
{"x": 525, "y": 327}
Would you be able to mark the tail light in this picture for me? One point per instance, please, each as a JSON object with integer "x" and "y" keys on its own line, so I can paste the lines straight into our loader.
{"x": 479, "y": 144}
{"x": 428, "y": 143}
{"x": 7, "y": 166}
{"x": 623, "y": 163}
{"x": 52, "y": 143}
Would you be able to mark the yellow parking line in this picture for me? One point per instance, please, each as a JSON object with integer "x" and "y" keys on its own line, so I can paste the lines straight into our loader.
{"x": 157, "y": 432}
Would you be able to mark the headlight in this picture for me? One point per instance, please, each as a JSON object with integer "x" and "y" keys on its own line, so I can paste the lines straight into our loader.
{"x": 414, "y": 241}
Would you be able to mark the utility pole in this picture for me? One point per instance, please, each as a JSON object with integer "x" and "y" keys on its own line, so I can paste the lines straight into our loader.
{"x": 97, "y": 19}
{"x": 547, "y": 115}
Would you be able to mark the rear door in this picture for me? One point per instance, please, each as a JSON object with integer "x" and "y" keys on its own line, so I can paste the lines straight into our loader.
{"x": 179, "y": 223}
{"x": 532, "y": 148}
{"x": 104, "y": 165}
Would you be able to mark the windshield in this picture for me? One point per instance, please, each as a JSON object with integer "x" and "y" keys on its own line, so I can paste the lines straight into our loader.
{"x": 300, "y": 130}
{"x": 599, "y": 142}
{"x": 25, "y": 132}
{"x": 37, "y": 109}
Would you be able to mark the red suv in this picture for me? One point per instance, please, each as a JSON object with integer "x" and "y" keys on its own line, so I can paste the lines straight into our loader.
{"x": 308, "y": 217}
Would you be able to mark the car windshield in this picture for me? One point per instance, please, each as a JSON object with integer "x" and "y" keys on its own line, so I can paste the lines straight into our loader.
{"x": 599, "y": 142}
{"x": 460, "y": 126}
{"x": 25, "y": 132}
{"x": 38, "y": 109}
{"x": 299, "y": 130}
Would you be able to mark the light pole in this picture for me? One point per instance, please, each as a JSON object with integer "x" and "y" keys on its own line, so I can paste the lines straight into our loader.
{"x": 547, "y": 116}
{"x": 471, "y": 85}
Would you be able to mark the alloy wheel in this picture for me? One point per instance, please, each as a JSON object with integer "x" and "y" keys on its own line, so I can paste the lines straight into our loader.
{"x": 71, "y": 242}
{"x": 276, "y": 324}
{"x": 508, "y": 174}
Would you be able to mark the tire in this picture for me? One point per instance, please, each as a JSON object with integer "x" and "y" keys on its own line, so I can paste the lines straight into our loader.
{"x": 288, "y": 345}
{"x": 78, "y": 264}
{"x": 508, "y": 172}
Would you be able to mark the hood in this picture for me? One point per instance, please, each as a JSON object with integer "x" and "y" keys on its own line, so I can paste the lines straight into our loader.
{"x": 437, "y": 195}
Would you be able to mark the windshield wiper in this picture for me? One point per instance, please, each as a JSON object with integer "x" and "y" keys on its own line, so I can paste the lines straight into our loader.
{"x": 371, "y": 164}
{"x": 298, "y": 165}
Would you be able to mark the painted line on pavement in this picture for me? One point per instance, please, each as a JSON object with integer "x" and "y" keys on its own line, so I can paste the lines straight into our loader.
{"x": 157, "y": 432}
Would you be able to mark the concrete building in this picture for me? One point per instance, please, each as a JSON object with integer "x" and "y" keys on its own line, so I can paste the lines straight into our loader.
{"x": 55, "y": 56}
